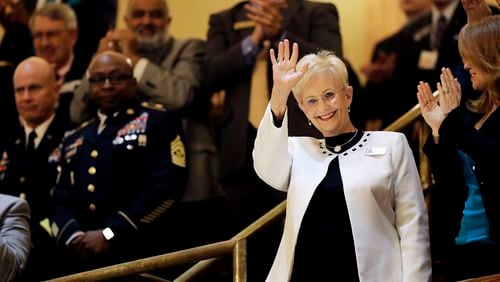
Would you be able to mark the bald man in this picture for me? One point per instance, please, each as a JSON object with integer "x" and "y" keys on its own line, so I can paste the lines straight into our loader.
{"x": 24, "y": 167}
{"x": 120, "y": 172}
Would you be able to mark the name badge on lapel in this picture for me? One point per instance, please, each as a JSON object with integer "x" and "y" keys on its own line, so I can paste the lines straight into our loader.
{"x": 376, "y": 151}
{"x": 428, "y": 59}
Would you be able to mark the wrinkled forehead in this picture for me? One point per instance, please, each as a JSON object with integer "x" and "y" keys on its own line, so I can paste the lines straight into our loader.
{"x": 318, "y": 81}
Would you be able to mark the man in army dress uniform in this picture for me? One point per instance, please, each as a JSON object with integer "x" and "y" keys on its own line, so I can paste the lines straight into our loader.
{"x": 24, "y": 168}
{"x": 119, "y": 172}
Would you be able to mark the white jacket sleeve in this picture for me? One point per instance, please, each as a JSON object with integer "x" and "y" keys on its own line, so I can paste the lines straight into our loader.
{"x": 411, "y": 217}
{"x": 272, "y": 160}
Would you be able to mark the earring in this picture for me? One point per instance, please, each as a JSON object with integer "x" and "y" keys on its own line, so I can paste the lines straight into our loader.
{"x": 349, "y": 109}
{"x": 309, "y": 122}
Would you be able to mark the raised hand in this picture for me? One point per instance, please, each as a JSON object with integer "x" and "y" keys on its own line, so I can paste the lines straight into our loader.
{"x": 476, "y": 10}
{"x": 430, "y": 109}
{"x": 267, "y": 17}
{"x": 285, "y": 75}
{"x": 381, "y": 69}
{"x": 449, "y": 91}
{"x": 435, "y": 110}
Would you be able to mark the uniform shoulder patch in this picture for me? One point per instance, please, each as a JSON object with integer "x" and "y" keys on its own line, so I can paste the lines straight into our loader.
{"x": 178, "y": 152}
{"x": 82, "y": 126}
{"x": 153, "y": 106}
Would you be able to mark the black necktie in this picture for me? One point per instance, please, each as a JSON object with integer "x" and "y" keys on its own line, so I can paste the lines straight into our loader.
{"x": 440, "y": 30}
{"x": 30, "y": 147}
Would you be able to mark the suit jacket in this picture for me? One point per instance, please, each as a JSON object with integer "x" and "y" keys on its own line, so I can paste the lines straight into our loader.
{"x": 16, "y": 44}
{"x": 457, "y": 132}
{"x": 124, "y": 178}
{"x": 15, "y": 242}
{"x": 71, "y": 82}
{"x": 386, "y": 206}
{"x": 95, "y": 18}
{"x": 9, "y": 121}
{"x": 416, "y": 39}
{"x": 312, "y": 25}
{"x": 376, "y": 95}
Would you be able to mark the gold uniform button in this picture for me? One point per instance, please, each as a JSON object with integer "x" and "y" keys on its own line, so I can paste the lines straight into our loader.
{"x": 92, "y": 170}
{"x": 22, "y": 179}
{"x": 92, "y": 207}
{"x": 22, "y": 196}
{"x": 94, "y": 154}
{"x": 91, "y": 188}
{"x": 130, "y": 111}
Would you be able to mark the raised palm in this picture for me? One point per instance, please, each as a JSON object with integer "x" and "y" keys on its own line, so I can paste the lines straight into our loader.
{"x": 285, "y": 74}
{"x": 430, "y": 109}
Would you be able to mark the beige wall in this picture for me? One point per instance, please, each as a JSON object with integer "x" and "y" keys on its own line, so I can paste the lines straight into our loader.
{"x": 363, "y": 22}
{"x": 360, "y": 24}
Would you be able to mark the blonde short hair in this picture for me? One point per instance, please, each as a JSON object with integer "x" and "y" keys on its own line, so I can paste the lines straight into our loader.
{"x": 323, "y": 60}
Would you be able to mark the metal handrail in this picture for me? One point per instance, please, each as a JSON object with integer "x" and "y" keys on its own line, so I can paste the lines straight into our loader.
{"x": 153, "y": 263}
{"x": 208, "y": 255}
{"x": 202, "y": 266}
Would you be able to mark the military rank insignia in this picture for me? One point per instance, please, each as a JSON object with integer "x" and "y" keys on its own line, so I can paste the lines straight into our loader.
{"x": 133, "y": 130}
{"x": 177, "y": 152}
{"x": 72, "y": 148}
{"x": 4, "y": 165}
{"x": 4, "y": 161}
{"x": 55, "y": 155}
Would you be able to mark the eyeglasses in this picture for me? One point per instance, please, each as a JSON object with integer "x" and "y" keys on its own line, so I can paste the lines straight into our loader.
{"x": 312, "y": 101}
{"x": 38, "y": 35}
{"x": 114, "y": 79}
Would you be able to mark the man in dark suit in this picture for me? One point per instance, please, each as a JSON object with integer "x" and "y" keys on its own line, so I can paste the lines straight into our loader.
{"x": 25, "y": 170}
{"x": 120, "y": 172}
{"x": 235, "y": 40}
{"x": 55, "y": 32}
{"x": 380, "y": 72}
{"x": 429, "y": 44}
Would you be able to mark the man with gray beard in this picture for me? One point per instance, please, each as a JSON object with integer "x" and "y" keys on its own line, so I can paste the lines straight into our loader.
{"x": 169, "y": 73}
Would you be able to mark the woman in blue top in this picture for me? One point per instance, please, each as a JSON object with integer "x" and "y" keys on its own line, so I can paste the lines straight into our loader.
{"x": 463, "y": 149}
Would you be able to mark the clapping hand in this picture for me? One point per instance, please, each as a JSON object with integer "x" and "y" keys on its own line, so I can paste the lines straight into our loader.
{"x": 268, "y": 19}
{"x": 381, "y": 69}
{"x": 285, "y": 76}
{"x": 434, "y": 110}
{"x": 122, "y": 41}
{"x": 476, "y": 10}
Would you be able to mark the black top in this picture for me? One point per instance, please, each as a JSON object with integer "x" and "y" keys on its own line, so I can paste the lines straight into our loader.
{"x": 325, "y": 246}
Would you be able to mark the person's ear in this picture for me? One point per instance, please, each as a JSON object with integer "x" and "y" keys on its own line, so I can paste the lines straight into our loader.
{"x": 73, "y": 34}
{"x": 348, "y": 94}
